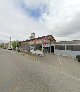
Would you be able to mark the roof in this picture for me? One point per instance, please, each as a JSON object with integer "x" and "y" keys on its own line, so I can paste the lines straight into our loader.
{"x": 69, "y": 42}
{"x": 37, "y": 38}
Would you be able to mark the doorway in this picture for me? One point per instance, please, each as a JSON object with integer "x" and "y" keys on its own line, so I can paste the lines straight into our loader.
{"x": 52, "y": 49}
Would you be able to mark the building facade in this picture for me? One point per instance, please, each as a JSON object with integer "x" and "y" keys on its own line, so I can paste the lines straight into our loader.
{"x": 37, "y": 44}
{"x": 24, "y": 46}
{"x": 67, "y": 48}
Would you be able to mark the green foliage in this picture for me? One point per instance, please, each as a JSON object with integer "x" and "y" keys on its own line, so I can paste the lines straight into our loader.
{"x": 2, "y": 45}
{"x": 15, "y": 44}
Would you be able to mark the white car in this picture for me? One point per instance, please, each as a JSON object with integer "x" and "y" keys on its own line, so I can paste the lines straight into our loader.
{"x": 37, "y": 52}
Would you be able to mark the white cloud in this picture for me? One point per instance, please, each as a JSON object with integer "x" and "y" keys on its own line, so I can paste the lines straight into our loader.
{"x": 35, "y": 3}
{"x": 65, "y": 15}
{"x": 57, "y": 20}
{"x": 15, "y": 24}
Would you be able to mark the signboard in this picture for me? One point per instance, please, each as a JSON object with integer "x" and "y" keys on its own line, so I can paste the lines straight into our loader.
{"x": 44, "y": 42}
{"x": 47, "y": 45}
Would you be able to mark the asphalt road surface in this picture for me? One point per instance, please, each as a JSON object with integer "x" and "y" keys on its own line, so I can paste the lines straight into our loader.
{"x": 21, "y": 73}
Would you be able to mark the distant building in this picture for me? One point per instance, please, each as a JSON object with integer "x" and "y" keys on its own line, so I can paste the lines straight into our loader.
{"x": 8, "y": 45}
{"x": 5, "y": 45}
{"x": 32, "y": 36}
{"x": 2, "y": 45}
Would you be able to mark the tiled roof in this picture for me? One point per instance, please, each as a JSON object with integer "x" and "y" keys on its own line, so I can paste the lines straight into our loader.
{"x": 69, "y": 42}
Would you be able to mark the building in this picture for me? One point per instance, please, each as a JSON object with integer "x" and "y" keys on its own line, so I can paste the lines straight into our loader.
{"x": 24, "y": 46}
{"x": 32, "y": 36}
{"x": 39, "y": 43}
{"x": 7, "y": 45}
{"x": 67, "y": 48}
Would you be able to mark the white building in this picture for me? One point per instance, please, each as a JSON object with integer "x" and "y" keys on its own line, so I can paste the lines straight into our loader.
{"x": 67, "y": 48}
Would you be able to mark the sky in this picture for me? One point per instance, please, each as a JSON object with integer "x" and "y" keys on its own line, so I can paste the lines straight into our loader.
{"x": 19, "y": 18}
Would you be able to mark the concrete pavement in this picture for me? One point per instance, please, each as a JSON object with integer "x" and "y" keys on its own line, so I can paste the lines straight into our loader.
{"x": 20, "y": 73}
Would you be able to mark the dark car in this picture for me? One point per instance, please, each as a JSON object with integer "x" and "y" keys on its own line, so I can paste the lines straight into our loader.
{"x": 78, "y": 57}
{"x": 9, "y": 48}
{"x": 4, "y": 48}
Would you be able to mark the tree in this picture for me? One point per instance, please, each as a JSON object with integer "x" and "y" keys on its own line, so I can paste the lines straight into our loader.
{"x": 15, "y": 44}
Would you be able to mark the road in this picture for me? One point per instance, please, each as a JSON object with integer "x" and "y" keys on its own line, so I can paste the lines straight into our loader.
{"x": 21, "y": 73}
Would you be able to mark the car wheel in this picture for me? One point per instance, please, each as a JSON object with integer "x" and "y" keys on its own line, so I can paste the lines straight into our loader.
{"x": 78, "y": 59}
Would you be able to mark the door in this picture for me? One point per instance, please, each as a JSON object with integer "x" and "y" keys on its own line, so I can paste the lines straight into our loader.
{"x": 52, "y": 49}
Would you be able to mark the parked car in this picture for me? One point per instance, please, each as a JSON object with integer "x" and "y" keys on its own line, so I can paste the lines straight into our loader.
{"x": 37, "y": 52}
{"x": 4, "y": 48}
{"x": 78, "y": 58}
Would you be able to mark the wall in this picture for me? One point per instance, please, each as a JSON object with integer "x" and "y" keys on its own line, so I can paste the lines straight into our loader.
{"x": 66, "y": 53}
{"x": 24, "y": 47}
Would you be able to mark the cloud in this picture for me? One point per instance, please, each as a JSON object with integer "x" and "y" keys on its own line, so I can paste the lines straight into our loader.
{"x": 64, "y": 24}
{"x": 71, "y": 28}
{"x": 18, "y": 18}
{"x": 34, "y": 9}
{"x": 13, "y": 23}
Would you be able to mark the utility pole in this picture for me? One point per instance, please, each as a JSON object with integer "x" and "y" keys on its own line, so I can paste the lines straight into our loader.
{"x": 10, "y": 42}
{"x": 42, "y": 49}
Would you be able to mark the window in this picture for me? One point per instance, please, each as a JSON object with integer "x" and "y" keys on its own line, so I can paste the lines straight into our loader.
{"x": 60, "y": 47}
{"x": 73, "y": 47}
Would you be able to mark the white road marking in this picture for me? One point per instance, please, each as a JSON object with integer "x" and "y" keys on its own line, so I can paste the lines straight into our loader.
{"x": 72, "y": 57}
{"x": 59, "y": 59}
{"x": 60, "y": 63}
